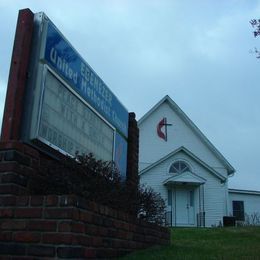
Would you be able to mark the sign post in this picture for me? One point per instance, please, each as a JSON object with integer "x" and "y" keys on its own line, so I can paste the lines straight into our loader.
{"x": 12, "y": 118}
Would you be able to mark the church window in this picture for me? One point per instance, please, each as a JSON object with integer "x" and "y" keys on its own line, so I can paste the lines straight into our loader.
{"x": 179, "y": 167}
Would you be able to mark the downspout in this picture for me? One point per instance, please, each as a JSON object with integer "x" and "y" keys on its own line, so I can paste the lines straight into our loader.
{"x": 227, "y": 198}
{"x": 203, "y": 205}
{"x": 175, "y": 206}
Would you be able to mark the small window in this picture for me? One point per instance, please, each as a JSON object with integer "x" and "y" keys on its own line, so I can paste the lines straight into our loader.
{"x": 169, "y": 197}
{"x": 179, "y": 167}
{"x": 238, "y": 210}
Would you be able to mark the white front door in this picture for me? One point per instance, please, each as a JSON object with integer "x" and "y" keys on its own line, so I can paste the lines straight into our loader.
{"x": 184, "y": 213}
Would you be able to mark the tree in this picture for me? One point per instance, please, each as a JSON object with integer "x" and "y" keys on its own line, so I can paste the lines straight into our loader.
{"x": 256, "y": 25}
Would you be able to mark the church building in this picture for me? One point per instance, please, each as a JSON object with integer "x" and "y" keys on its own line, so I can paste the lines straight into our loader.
{"x": 177, "y": 160}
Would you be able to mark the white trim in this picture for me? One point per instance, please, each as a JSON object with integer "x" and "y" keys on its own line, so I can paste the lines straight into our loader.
{"x": 248, "y": 192}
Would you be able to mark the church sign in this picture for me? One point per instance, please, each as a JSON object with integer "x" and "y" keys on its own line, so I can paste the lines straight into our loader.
{"x": 69, "y": 107}
{"x": 81, "y": 77}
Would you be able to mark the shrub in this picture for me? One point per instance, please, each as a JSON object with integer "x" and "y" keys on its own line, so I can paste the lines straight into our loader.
{"x": 100, "y": 182}
{"x": 253, "y": 219}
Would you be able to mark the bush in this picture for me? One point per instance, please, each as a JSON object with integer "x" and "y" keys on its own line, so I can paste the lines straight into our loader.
{"x": 100, "y": 182}
{"x": 151, "y": 205}
{"x": 252, "y": 220}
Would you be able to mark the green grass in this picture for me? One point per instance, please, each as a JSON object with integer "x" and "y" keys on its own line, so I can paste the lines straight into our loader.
{"x": 206, "y": 243}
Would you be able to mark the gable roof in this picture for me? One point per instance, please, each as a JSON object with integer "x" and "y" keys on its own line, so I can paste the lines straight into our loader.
{"x": 189, "y": 153}
{"x": 185, "y": 177}
{"x": 195, "y": 129}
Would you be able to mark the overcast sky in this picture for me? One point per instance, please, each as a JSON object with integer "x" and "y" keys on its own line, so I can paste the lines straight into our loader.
{"x": 197, "y": 52}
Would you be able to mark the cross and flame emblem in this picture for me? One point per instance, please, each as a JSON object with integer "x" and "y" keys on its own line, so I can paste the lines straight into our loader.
{"x": 162, "y": 129}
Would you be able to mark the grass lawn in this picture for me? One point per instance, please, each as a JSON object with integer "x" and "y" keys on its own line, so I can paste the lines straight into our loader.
{"x": 207, "y": 243}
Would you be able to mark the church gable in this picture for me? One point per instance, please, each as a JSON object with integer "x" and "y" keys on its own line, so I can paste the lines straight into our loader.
{"x": 166, "y": 128}
{"x": 170, "y": 165}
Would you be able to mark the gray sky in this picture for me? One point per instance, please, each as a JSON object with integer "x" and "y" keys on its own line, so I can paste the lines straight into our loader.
{"x": 197, "y": 52}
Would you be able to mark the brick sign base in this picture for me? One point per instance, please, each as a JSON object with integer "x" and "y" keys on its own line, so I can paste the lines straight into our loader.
{"x": 61, "y": 226}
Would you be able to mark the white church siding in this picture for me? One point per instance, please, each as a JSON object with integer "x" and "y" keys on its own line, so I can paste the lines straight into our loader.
{"x": 251, "y": 202}
{"x": 215, "y": 204}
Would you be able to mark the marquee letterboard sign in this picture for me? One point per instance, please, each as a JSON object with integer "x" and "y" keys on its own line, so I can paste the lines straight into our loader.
{"x": 69, "y": 107}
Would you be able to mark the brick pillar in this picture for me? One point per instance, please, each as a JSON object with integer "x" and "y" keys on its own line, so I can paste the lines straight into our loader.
{"x": 19, "y": 166}
{"x": 132, "y": 152}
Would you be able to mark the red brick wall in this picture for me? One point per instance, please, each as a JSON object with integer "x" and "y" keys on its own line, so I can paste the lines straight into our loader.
{"x": 68, "y": 226}
{"x": 60, "y": 226}
{"x": 19, "y": 164}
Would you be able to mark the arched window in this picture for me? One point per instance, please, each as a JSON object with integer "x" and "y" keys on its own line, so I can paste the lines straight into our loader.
{"x": 179, "y": 167}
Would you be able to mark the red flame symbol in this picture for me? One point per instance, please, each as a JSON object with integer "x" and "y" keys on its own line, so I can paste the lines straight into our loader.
{"x": 160, "y": 125}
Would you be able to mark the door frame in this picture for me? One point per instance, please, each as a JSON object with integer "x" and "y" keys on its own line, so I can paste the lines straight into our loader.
{"x": 186, "y": 205}
{"x": 196, "y": 204}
